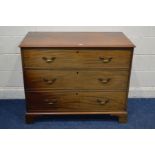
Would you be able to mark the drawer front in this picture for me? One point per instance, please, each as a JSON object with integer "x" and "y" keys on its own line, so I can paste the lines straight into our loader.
{"x": 76, "y": 101}
{"x": 78, "y": 79}
{"x": 54, "y": 59}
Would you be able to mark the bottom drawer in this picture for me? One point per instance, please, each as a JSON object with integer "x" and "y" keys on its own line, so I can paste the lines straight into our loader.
{"x": 75, "y": 101}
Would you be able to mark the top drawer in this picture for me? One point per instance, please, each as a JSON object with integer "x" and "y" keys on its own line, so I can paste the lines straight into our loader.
{"x": 54, "y": 59}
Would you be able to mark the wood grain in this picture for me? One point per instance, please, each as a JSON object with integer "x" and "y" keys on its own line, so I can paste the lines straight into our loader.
{"x": 37, "y": 58}
{"x": 76, "y": 39}
{"x": 76, "y": 79}
{"x": 76, "y": 73}
{"x": 75, "y": 101}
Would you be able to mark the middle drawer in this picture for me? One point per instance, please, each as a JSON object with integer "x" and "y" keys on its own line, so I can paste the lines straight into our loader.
{"x": 77, "y": 79}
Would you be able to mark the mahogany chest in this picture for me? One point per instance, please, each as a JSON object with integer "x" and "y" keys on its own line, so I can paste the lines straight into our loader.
{"x": 71, "y": 73}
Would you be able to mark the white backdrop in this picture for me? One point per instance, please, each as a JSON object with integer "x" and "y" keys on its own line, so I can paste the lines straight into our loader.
{"x": 143, "y": 71}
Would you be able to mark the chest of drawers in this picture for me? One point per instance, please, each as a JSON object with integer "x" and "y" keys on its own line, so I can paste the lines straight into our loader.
{"x": 71, "y": 73}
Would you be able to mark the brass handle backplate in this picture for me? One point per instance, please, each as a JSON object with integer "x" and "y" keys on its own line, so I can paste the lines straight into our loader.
{"x": 48, "y": 60}
{"x": 103, "y": 101}
{"x": 104, "y": 81}
{"x": 49, "y": 81}
{"x": 105, "y": 60}
{"x": 50, "y": 102}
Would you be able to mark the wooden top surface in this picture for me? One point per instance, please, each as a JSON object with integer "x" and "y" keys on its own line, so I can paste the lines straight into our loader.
{"x": 76, "y": 39}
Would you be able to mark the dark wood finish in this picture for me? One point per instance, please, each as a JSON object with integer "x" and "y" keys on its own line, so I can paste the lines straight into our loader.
{"x": 76, "y": 73}
{"x": 57, "y": 59}
{"x": 76, "y": 79}
{"x": 123, "y": 118}
{"x": 32, "y": 116}
{"x": 76, "y": 39}
{"x": 58, "y": 101}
